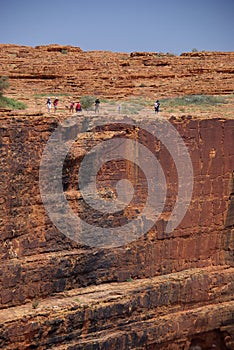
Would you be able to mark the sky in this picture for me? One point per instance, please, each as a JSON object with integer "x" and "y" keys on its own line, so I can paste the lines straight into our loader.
{"x": 173, "y": 26}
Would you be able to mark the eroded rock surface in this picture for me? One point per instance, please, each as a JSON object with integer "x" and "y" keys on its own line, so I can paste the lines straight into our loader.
{"x": 65, "y": 69}
{"x": 158, "y": 292}
{"x": 167, "y": 291}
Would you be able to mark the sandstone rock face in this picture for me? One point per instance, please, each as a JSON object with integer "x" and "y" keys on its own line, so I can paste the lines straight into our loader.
{"x": 160, "y": 291}
{"x": 64, "y": 69}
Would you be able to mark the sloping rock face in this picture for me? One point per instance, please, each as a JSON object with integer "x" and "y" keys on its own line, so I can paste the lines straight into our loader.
{"x": 65, "y": 69}
{"x": 159, "y": 291}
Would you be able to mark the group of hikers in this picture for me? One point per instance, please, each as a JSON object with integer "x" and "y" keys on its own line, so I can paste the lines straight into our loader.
{"x": 49, "y": 104}
{"x": 76, "y": 106}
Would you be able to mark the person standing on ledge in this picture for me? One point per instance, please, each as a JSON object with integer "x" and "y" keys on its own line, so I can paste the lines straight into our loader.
{"x": 55, "y": 103}
{"x": 156, "y": 106}
{"x": 97, "y": 104}
{"x": 78, "y": 107}
{"x": 48, "y": 103}
{"x": 71, "y": 107}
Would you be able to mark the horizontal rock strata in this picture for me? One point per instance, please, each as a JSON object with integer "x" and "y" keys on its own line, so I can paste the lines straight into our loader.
{"x": 183, "y": 309}
{"x": 69, "y": 70}
{"x": 158, "y": 292}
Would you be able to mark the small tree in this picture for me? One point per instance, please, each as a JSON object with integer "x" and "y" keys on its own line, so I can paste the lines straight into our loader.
{"x": 3, "y": 84}
{"x": 87, "y": 102}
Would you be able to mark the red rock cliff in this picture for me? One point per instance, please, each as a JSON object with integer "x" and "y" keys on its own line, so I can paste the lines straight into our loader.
{"x": 158, "y": 292}
{"x": 167, "y": 291}
{"x": 65, "y": 69}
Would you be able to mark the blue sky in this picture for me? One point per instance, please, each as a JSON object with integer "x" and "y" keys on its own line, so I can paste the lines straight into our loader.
{"x": 121, "y": 25}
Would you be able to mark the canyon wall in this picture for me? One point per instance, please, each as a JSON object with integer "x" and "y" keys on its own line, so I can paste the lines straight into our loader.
{"x": 159, "y": 291}
{"x": 68, "y": 70}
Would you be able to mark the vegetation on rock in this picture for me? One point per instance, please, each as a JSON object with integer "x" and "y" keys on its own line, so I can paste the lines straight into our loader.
{"x": 3, "y": 84}
{"x": 6, "y": 102}
{"x": 87, "y": 102}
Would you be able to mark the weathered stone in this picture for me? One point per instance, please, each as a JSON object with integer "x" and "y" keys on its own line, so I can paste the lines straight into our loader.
{"x": 66, "y": 69}
{"x": 230, "y": 213}
{"x": 141, "y": 313}
{"x": 167, "y": 291}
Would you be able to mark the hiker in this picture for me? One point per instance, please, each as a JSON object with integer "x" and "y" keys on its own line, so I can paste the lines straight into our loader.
{"x": 48, "y": 103}
{"x": 156, "y": 106}
{"x": 97, "y": 104}
{"x": 71, "y": 107}
{"x": 55, "y": 103}
{"x": 78, "y": 107}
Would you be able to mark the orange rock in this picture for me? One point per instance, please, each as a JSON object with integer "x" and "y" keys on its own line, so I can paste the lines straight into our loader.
{"x": 69, "y": 70}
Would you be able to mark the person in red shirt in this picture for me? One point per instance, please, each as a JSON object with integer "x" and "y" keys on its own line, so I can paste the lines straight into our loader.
{"x": 78, "y": 107}
{"x": 55, "y": 103}
{"x": 71, "y": 107}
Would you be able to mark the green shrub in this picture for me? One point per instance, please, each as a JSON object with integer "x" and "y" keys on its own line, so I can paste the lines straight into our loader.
{"x": 170, "y": 54}
{"x": 6, "y": 102}
{"x": 129, "y": 279}
{"x": 35, "y": 304}
{"x": 87, "y": 102}
{"x": 9, "y": 103}
{"x": 3, "y": 84}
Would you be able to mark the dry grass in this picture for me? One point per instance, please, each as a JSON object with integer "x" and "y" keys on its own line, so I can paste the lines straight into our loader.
{"x": 194, "y": 105}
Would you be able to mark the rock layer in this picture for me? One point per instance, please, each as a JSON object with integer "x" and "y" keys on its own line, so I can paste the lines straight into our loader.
{"x": 64, "y": 69}
{"x": 176, "y": 311}
{"x": 179, "y": 289}
{"x": 167, "y": 291}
